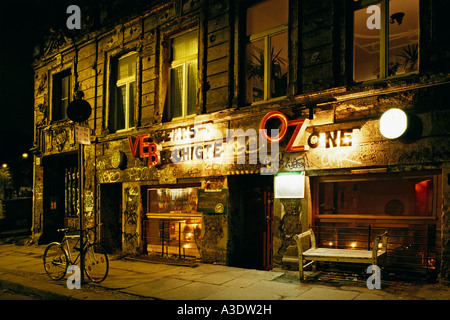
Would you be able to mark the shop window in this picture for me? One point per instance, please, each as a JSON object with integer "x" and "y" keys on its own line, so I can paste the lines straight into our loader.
{"x": 267, "y": 50}
{"x": 173, "y": 226}
{"x": 122, "y": 114}
{"x": 61, "y": 95}
{"x": 386, "y": 38}
{"x": 183, "y": 75}
{"x": 387, "y": 196}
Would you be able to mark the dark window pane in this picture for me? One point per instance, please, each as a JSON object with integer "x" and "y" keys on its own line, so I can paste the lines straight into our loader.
{"x": 279, "y": 66}
{"x": 255, "y": 71}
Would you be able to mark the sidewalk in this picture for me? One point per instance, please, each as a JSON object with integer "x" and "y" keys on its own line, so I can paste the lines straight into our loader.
{"x": 21, "y": 269}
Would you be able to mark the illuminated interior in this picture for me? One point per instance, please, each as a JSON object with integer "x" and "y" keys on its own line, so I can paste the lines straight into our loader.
{"x": 174, "y": 227}
{"x": 350, "y": 211}
{"x": 402, "y": 43}
{"x": 384, "y": 197}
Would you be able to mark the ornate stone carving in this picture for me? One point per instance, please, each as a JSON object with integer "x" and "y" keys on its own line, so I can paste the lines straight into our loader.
{"x": 55, "y": 41}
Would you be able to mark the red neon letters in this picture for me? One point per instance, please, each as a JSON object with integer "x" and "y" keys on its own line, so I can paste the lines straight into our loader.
{"x": 293, "y": 144}
{"x": 146, "y": 149}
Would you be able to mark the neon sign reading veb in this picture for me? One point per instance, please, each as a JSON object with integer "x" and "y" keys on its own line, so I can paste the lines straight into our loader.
{"x": 206, "y": 142}
{"x": 327, "y": 139}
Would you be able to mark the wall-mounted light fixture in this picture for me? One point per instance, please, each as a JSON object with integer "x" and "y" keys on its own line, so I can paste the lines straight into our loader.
{"x": 393, "y": 123}
{"x": 289, "y": 185}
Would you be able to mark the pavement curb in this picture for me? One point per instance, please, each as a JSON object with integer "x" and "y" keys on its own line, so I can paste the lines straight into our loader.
{"x": 18, "y": 286}
{"x": 48, "y": 290}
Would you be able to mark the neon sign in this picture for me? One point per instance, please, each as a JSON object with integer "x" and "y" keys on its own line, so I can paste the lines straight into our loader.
{"x": 203, "y": 141}
{"x": 327, "y": 139}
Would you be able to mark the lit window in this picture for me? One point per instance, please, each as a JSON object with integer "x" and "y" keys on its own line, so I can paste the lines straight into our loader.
{"x": 173, "y": 225}
{"x": 267, "y": 50}
{"x": 122, "y": 113}
{"x": 383, "y": 196}
{"x": 61, "y": 95}
{"x": 183, "y": 75}
{"x": 386, "y": 38}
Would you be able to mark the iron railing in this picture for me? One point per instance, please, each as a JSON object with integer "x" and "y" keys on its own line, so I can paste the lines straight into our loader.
{"x": 412, "y": 252}
{"x": 173, "y": 238}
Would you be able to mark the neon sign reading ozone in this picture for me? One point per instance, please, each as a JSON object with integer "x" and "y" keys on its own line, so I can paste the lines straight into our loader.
{"x": 329, "y": 139}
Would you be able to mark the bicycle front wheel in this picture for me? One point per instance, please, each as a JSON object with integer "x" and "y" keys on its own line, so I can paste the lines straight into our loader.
{"x": 96, "y": 263}
{"x": 55, "y": 261}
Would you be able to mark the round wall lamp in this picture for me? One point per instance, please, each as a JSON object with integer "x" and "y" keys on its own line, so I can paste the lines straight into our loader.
{"x": 393, "y": 123}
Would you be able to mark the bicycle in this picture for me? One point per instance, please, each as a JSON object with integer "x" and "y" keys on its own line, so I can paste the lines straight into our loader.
{"x": 58, "y": 257}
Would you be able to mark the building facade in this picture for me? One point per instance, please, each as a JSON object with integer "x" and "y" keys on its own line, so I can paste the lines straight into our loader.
{"x": 182, "y": 160}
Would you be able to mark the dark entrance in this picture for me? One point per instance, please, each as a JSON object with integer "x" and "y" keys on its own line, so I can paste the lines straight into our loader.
{"x": 250, "y": 221}
{"x": 111, "y": 217}
{"x": 60, "y": 194}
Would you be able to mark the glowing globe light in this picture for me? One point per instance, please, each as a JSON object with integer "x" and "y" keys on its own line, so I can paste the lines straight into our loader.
{"x": 393, "y": 123}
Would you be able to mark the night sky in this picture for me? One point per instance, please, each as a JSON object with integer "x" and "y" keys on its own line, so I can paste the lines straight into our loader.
{"x": 22, "y": 23}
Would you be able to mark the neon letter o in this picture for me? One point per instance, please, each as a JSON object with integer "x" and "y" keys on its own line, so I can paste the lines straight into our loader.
{"x": 284, "y": 125}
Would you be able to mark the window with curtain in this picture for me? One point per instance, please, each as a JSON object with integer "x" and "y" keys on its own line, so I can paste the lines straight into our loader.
{"x": 386, "y": 39}
{"x": 122, "y": 114}
{"x": 267, "y": 50}
{"x": 183, "y": 75}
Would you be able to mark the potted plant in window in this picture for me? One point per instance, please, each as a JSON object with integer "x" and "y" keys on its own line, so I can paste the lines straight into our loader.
{"x": 256, "y": 70}
{"x": 410, "y": 56}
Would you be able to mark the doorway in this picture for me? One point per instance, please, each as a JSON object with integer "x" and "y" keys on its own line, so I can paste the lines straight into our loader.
{"x": 111, "y": 217}
{"x": 60, "y": 194}
{"x": 250, "y": 221}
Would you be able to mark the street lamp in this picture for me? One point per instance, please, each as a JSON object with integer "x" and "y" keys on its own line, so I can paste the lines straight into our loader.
{"x": 4, "y": 165}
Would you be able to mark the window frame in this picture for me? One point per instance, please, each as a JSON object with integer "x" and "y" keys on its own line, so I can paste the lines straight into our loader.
{"x": 315, "y": 181}
{"x": 182, "y": 62}
{"x": 117, "y": 83}
{"x": 384, "y": 40}
{"x": 57, "y": 94}
{"x": 266, "y": 36}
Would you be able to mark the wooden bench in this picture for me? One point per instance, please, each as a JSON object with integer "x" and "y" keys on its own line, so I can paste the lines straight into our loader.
{"x": 336, "y": 255}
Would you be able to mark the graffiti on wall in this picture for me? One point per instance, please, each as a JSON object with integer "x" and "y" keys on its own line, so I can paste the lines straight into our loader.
{"x": 131, "y": 216}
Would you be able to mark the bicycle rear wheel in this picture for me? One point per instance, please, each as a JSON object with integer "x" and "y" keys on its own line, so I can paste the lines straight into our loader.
{"x": 96, "y": 263}
{"x": 55, "y": 261}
